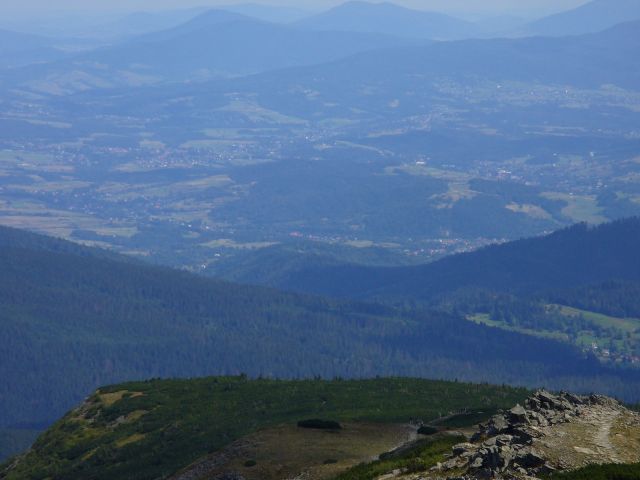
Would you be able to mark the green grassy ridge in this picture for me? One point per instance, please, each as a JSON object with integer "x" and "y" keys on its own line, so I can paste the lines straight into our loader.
{"x": 187, "y": 419}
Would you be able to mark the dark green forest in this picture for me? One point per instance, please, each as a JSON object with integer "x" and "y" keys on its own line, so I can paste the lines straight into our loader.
{"x": 74, "y": 318}
{"x": 616, "y": 298}
{"x": 578, "y": 256}
{"x": 560, "y": 286}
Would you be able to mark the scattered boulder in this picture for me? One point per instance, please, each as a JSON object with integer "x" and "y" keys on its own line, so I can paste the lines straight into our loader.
{"x": 463, "y": 449}
{"x": 517, "y": 415}
{"x": 528, "y": 459}
{"x": 503, "y": 447}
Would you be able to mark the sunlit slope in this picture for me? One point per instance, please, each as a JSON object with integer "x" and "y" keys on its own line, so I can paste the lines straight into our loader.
{"x": 147, "y": 430}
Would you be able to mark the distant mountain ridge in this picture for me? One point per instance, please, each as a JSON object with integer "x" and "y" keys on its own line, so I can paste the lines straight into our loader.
{"x": 101, "y": 26}
{"x": 140, "y": 23}
{"x": 569, "y": 258}
{"x": 591, "y": 17}
{"x": 239, "y": 44}
{"x": 589, "y": 60}
{"x": 208, "y": 19}
{"x": 216, "y": 43}
{"x": 391, "y": 19}
{"x": 242, "y": 46}
{"x": 268, "y": 13}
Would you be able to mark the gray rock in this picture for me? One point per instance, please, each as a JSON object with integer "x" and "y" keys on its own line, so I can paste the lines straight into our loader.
{"x": 489, "y": 442}
{"x": 517, "y": 415}
{"x": 462, "y": 448}
{"x": 529, "y": 460}
{"x": 497, "y": 424}
{"x": 574, "y": 399}
{"x": 502, "y": 447}
{"x": 504, "y": 440}
{"x": 507, "y": 455}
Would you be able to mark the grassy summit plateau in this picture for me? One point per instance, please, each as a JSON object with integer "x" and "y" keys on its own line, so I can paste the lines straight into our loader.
{"x": 153, "y": 429}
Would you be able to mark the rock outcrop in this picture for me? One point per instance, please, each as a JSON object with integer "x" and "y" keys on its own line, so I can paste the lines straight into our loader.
{"x": 516, "y": 444}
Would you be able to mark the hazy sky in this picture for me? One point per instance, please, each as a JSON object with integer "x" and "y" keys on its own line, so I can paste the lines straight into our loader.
{"x": 35, "y": 7}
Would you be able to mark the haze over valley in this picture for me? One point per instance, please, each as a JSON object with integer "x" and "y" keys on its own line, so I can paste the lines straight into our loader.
{"x": 331, "y": 191}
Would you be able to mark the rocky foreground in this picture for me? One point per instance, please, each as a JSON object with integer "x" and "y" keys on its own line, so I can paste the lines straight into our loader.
{"x": 549, "y": 433}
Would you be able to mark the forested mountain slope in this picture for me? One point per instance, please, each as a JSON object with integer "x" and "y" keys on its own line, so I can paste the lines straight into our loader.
{"x": 577, "y": 256}
{"x": 584, "y": 61}
{"x": 72, "y": 322}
